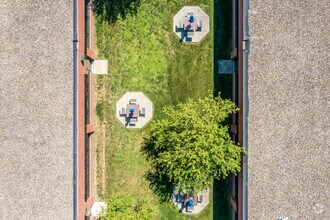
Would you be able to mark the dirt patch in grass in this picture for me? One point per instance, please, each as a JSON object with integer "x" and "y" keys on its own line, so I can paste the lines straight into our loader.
{"x": 100, "y": 143}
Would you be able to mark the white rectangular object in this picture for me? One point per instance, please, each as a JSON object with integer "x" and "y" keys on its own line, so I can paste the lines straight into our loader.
{"x": 100, "y": 67}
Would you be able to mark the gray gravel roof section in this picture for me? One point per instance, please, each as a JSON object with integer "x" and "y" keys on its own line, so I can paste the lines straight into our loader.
{"x": 289, "y": 97}
{"x": 36, "y": 109}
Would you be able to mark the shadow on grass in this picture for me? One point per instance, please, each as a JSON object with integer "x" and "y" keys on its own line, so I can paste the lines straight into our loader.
{"x": 222, "y": 46}
{"x": 223, "y": 84}
{"x": 112, "y": 10}
{"x": 221, "y": 199}
{"x": 161, "y": 185}
{"x": 158, "y": 182}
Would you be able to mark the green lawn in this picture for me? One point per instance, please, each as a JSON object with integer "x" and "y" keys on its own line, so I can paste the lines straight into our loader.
{"x": 145, "y": 55}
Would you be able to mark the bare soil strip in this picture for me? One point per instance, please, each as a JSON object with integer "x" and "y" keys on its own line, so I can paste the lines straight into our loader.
{"x": 99, "y": 157}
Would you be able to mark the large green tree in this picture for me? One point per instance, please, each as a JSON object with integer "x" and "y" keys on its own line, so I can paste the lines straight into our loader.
{"x": 191, "y": 146}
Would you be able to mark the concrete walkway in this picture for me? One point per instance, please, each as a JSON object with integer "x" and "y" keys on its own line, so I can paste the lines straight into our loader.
{"x": 191, "y": 31}
{"x": 142, "y": 110}
{"x": 180, "y": 201}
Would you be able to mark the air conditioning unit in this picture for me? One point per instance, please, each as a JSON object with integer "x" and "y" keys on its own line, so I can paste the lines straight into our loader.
{"x": 99, "y": 67}
{"x": 98, "y": 208}
{"x": 226, "y": 66}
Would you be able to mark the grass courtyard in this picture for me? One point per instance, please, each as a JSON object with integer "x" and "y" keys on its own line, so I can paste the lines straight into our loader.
{"x": 145, "y": 55}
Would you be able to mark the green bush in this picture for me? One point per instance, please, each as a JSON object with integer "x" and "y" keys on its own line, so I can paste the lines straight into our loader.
{"x": 102, "y": 110}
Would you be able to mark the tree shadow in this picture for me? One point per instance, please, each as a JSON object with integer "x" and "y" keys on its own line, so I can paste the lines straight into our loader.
{"x": 160, "y": 183}
{"x": 112, "y": 10}
{"x": 223, "y": 24}
{"x": 221, "y": 199}
{"x": 222, "y": 46}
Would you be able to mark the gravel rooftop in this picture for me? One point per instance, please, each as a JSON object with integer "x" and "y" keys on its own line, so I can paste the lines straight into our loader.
{"x": 36, "y": 109}
{"x": 289, "y": 97}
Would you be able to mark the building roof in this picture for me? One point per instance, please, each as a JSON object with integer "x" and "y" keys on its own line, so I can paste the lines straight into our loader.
{"x": 288, "y": 110}
{"x": 36, "y": 110}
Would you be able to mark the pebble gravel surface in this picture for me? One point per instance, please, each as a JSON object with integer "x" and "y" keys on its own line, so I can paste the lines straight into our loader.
{"x": 36, "y": 109}
{"x": 289, "y": 97}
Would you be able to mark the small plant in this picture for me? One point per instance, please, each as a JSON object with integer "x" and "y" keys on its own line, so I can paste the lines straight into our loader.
{"x": 126, "y": 206}
{"x": 102, "y": 110}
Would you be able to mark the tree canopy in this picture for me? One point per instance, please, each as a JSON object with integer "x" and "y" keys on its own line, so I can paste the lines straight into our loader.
{"x": 191, "y": 146}
{"x": 124, "y": 206}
